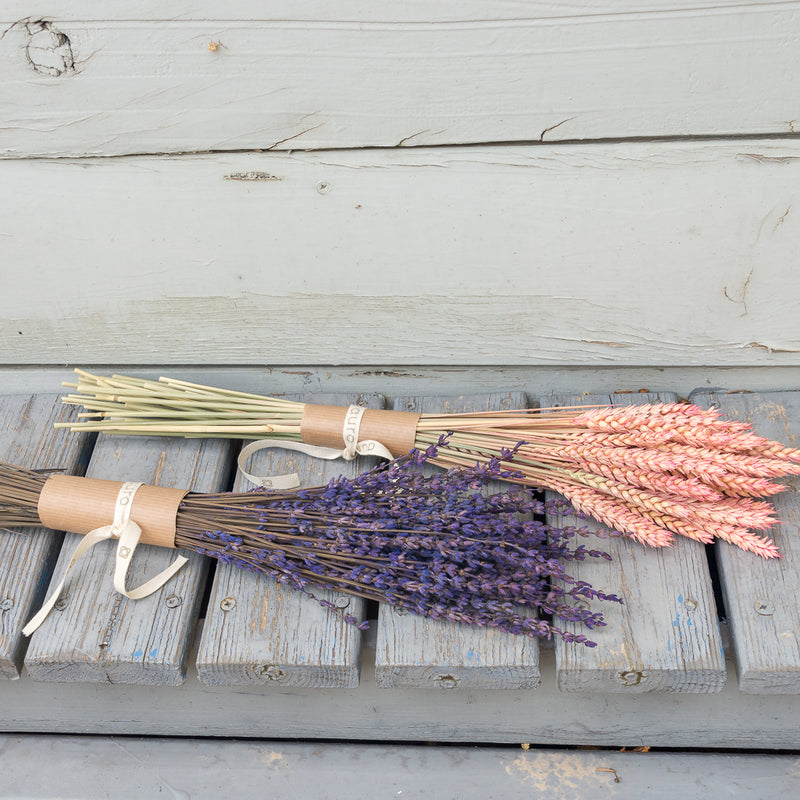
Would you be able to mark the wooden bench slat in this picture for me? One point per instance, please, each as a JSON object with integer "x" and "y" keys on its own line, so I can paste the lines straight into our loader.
{"x": 665, "y": 636}
{"x": 206, "y": 770}
{"x": 99, "y": 635}
{"x": 260, "y": 632}
{"x": 417, "y": 652}
{"x": 27, "y": 438}
{"x": 761, "y": 597}
{"x": 727, "y": 719}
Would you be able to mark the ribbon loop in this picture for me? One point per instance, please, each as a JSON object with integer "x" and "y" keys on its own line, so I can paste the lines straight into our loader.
{"x": 128, "y": 533}
{"x": 352, "y": 448}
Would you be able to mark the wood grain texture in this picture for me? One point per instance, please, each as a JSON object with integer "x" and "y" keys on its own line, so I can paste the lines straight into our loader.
{"x": 665, "y": 636}
{"x": 99, "y": 636}
{"x": 761, "y": 597}
{"x": 418, "y": 652}
{"x": 27, "y": 556}
{"x": 384, "y": 11}
{"x": 590, "y": 251}
{"x": 303, "y": 78}
{"x": 394, "y": 381}
{"x": 207, "y": 770}
{"x": 258, "y": 631}
{"x": 546, "y": 716}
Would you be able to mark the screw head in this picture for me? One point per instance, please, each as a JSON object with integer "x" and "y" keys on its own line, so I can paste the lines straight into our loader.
{"x": 61, "y": 603}
{"x": 228, "y": 604}
{"x": 447, "y": 681}
{"x": 689, "y": 604}
{"x": 323, "y": 187}
{"x": 631, "y": 678}
{"x": 272, "y": 672}
{"x": 764, "y": 607}
{"x": 342, "y": 602}
{"x": 173, "y": 601}
{"x": 7, "y": 604}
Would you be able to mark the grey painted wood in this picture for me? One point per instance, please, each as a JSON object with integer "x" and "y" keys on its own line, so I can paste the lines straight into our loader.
{"x": 411, "y": 282}
{"x": 762, "y": 598}
{"x": 260, "y": 632}
{"x": 546, "y": 716}
{"x": 100, "y": 636}
{"x": 206, "y": 770}
{"x": 27, "y": 556}
{"x": 417, "y": 652}
{"x": 665, "y": 637}
{"x": 296, "y": 75}
{"x": 442, "y": 379}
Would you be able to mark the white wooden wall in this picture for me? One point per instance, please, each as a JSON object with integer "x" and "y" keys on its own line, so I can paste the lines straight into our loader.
{"x": 530, "y": 183}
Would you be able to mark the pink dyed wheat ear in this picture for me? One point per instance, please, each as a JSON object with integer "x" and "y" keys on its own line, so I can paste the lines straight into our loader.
{"x": 745, "y": 540}
{"x": 652, "y": 470}
{"x": 614, "y": 514}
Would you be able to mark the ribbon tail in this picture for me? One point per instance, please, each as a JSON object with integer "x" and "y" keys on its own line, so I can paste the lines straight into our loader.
{"x": 128, "y": 541}
{"x": 86, "y": 543}
{"x": 367, "y": 447}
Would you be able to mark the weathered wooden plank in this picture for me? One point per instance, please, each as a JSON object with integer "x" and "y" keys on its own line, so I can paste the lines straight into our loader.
{"x": 380, "y": 263}
{"x": 27, "y": 438}
{"x": 350, "y": 10}
{"x": 206, "y": 770}
{"x": 425, "y": 76}
{"x": 417, "y": 652}
{"x": 546, "y": 716}
{"x": 96, "y": 635}
{"x": 761, "y": 597}
{"x": 665, "y": 636}
{"x": 260, "y": 632}
{"x": 393, "y": 381}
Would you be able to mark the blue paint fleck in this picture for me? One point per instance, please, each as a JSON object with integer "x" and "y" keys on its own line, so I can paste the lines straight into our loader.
{"x": 680, "y": 598}
{"x": 154, "y": 653}
{"x": 470, "y": 654}
{"x": 138, "y": 654}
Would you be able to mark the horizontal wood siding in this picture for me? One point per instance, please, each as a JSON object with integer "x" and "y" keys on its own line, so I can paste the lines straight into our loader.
{"x": 595, "y": 255}
{"x": 305, "y": 78}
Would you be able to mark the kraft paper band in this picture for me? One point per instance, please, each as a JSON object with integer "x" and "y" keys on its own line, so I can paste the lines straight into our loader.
{"x": 400, "y": 428}
{"x": 328, "y": 426}
{"x": 81, "y": 505}
{"x": 123, "y": 528}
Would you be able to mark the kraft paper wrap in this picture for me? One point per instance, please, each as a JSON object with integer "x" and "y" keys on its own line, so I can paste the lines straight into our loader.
{"x": 80, "y": 505}
{"x": 396, "y": 430}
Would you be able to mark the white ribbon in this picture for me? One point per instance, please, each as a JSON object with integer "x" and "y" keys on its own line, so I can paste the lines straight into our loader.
{"x": 128, "y": 533}
{"x": 352, "y": 448}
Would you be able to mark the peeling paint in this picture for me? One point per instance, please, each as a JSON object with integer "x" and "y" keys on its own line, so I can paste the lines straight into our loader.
{"x": 251, "y": 176}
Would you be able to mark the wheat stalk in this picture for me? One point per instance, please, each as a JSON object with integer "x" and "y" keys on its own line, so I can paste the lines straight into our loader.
{"x": 653, "y": 470}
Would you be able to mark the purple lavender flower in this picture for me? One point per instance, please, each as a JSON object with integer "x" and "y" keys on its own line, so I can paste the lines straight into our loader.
{"x": 435, "y": 545}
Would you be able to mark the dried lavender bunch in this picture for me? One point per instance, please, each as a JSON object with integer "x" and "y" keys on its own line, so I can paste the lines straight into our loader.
{"x": 433, "y": 545}
{"x": 437, "y": 545}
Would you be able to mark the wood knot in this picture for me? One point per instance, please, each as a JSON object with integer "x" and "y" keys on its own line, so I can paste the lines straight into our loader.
{"x": 48, "y": 49}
